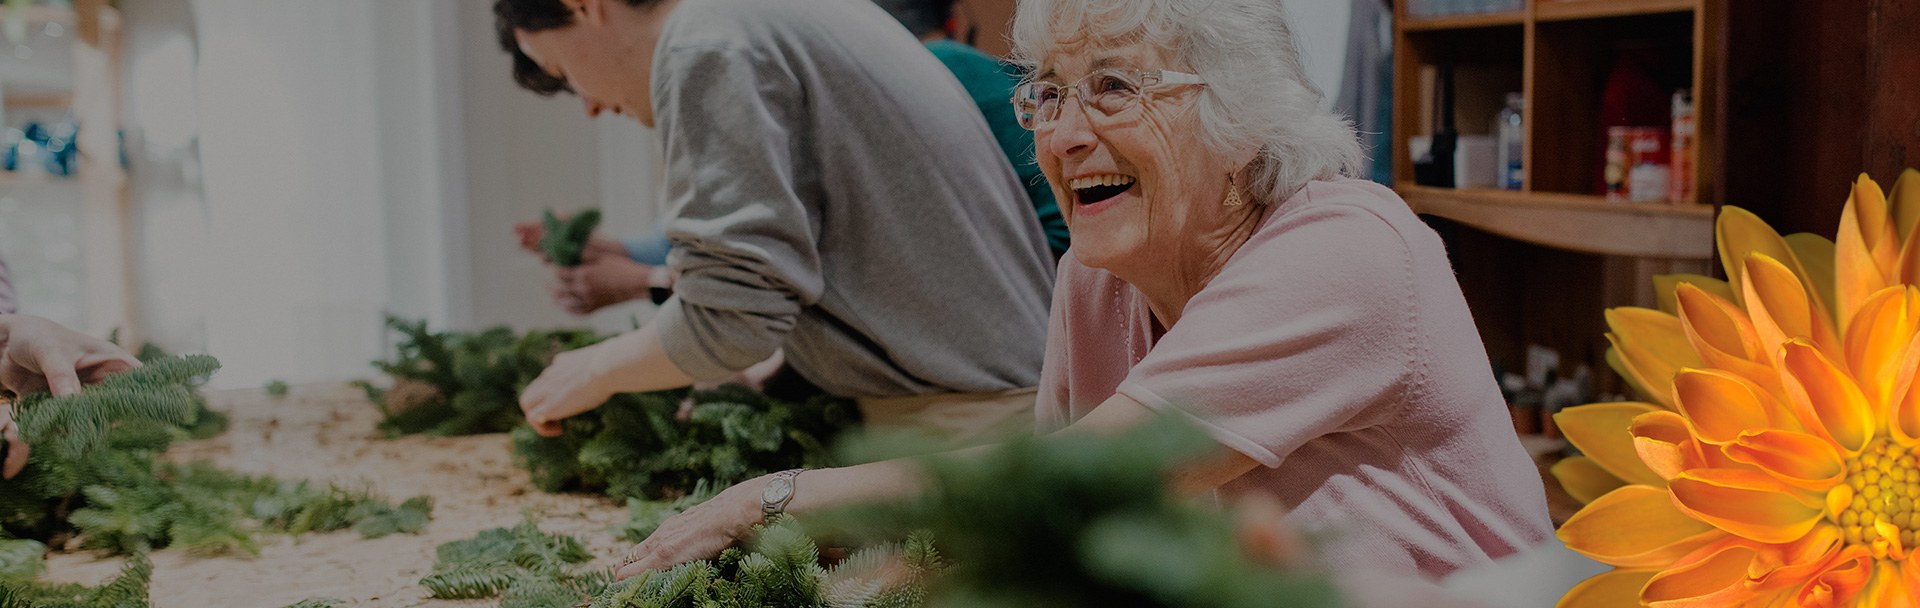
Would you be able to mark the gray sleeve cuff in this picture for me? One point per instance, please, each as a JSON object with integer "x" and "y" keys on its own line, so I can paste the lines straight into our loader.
{"x": 699, "y": 343}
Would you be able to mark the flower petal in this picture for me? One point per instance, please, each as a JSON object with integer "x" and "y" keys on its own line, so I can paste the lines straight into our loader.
{"x": 1611, "y": 589}
{"x": 1904, "y": 201}
{"x": 1864, "y": 254}
{"x": 1838, "y": 583}
{"x": 1602, "y": 432}
{"x": 1747, "y": 504}
{"x": 1665, "y": 443}
{"x": 1664, "y": 284}
{"x": 1583, "y": 479}
{"x": 1816, "y": 258}
{"x": 1790, "y": 565}
{"x": 1827, "y": 401}
{"x": 1716, "y": 322}
{"x": 1720, "y": 332}
{"x": 1904, "y": 420}
{"x": 1721, "y": 405}
{"x": 1635, "y": 526}
{"x": 1738, "y": 232}
{"x": 1638, "y": 384}
{"x": 1877, "y": 341}
{"x": 1886, "y": 589}
{"x": 1713, "y": 576}
{"x": 1782, "y": 309}
{"x": 1802, "y": 460}
{"x": 1653, "y": 346}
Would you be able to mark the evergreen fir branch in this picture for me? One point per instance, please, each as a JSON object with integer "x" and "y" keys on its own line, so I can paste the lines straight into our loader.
{"x": 471, "y": 581}
{"x": 22, "y": 559}
{"x": 564, "y": 241}
{"x": 539, "y": 564}
{"x": 376, "y": 518}
{"x": 462, "y": 383}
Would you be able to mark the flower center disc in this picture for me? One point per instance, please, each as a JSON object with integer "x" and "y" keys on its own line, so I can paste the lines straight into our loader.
{"x": 1885, "y": 484}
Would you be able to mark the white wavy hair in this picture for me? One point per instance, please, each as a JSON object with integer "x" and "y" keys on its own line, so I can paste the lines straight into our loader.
{"x": 1258, "y": 95}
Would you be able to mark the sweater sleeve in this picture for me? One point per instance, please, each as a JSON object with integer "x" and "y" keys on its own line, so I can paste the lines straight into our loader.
{"x": 744, "y": 241}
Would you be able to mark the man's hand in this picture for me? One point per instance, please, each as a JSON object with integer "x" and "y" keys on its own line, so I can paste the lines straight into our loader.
{"x": 40, "y": 356}
{"x": 574, "y": 384}
{"x": 599, "y": 282}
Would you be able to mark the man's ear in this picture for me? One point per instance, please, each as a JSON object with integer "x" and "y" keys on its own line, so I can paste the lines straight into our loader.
{"x": 593, "y": 12}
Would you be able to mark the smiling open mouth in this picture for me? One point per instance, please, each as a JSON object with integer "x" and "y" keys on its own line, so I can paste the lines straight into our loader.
{"x": 1090, "y": 190}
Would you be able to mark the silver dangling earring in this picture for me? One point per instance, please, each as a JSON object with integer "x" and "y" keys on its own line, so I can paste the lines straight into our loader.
{"x": 1233, "y": 193}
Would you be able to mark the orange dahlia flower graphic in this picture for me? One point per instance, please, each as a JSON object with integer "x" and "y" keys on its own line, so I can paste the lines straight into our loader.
{"x": 1776, "y": 458}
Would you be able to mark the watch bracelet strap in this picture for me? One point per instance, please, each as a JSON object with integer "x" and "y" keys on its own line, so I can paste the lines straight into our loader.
{"x": 791, "y": 476}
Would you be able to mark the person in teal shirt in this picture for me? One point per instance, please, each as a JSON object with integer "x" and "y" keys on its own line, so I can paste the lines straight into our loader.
{"x": 990, "y": 82}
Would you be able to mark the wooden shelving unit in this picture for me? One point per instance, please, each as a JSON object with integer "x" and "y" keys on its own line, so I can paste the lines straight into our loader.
{"x": 1553, "y": 53}
{"x": 1541, "y": 264}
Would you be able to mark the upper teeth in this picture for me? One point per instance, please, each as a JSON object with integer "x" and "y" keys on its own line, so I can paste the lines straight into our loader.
{"x": 1082, "y": 183}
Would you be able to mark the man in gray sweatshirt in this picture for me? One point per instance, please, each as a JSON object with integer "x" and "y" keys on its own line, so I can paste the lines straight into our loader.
{"x": 832, "y": 192}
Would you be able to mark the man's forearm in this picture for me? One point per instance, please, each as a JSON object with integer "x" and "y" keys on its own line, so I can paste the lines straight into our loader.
{"x": 636, "y": 363}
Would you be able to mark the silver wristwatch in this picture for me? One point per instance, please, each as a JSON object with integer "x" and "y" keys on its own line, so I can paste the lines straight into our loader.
{"x": 779, "y": 492}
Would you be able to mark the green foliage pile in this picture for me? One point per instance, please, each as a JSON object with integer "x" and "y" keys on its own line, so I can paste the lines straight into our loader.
{"x": 666, "y": 445}
{"x": 523, "y": 565}
{"x": 785, "y": 569}
{"x": 640, "y": 445}
{"x": 1085, "y": 520}
{"x": 527, "y": 568}
{"x": 94, "y": 473}
{"x": 565, "y": 241}
{"x": 127, "y": 590}
{"x": 463, "y": 383}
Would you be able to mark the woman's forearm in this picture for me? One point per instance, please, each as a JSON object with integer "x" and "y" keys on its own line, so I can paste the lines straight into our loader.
{"x": 824, "y": 490}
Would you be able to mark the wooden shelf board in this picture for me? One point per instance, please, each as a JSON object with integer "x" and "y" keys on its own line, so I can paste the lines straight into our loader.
{"x": 45, "y": 101}
{"x": 1464, "y": 22}
{"x": 1567, "y": 10}
{"x": 1587, "y": 224}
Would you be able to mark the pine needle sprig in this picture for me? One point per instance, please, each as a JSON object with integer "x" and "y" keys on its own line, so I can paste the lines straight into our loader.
{"x": 565, "y": 240}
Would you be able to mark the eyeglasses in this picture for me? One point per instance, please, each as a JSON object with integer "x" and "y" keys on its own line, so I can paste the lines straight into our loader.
{"x": 1103, "y": 93}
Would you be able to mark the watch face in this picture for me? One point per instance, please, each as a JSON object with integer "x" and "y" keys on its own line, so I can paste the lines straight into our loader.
{"x": 777, "y": 490}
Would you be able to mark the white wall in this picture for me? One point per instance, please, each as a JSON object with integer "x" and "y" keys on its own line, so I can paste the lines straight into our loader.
{"x": 524, "y": 154}
{"x": 1320, "y": 30}
{"x": 293, "y": 186}
{"x": 160, "y": 116}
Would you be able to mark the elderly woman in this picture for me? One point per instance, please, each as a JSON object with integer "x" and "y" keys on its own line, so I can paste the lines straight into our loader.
{"x": 1223, "y": 271}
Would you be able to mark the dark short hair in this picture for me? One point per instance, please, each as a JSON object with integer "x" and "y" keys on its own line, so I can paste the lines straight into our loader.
{"x": 920, "y": 16}
{"x": 533, "y": 16}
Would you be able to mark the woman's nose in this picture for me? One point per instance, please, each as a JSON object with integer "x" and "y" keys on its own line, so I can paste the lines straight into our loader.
{"x": 1070, "y": 133}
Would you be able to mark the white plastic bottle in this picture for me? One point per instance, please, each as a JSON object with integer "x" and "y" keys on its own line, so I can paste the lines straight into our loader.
{"x": 1511, "y": 147}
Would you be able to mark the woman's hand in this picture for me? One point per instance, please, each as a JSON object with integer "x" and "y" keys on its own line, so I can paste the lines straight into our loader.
{"x": 40, "y": 356}
{"x": 699, "y": 533}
